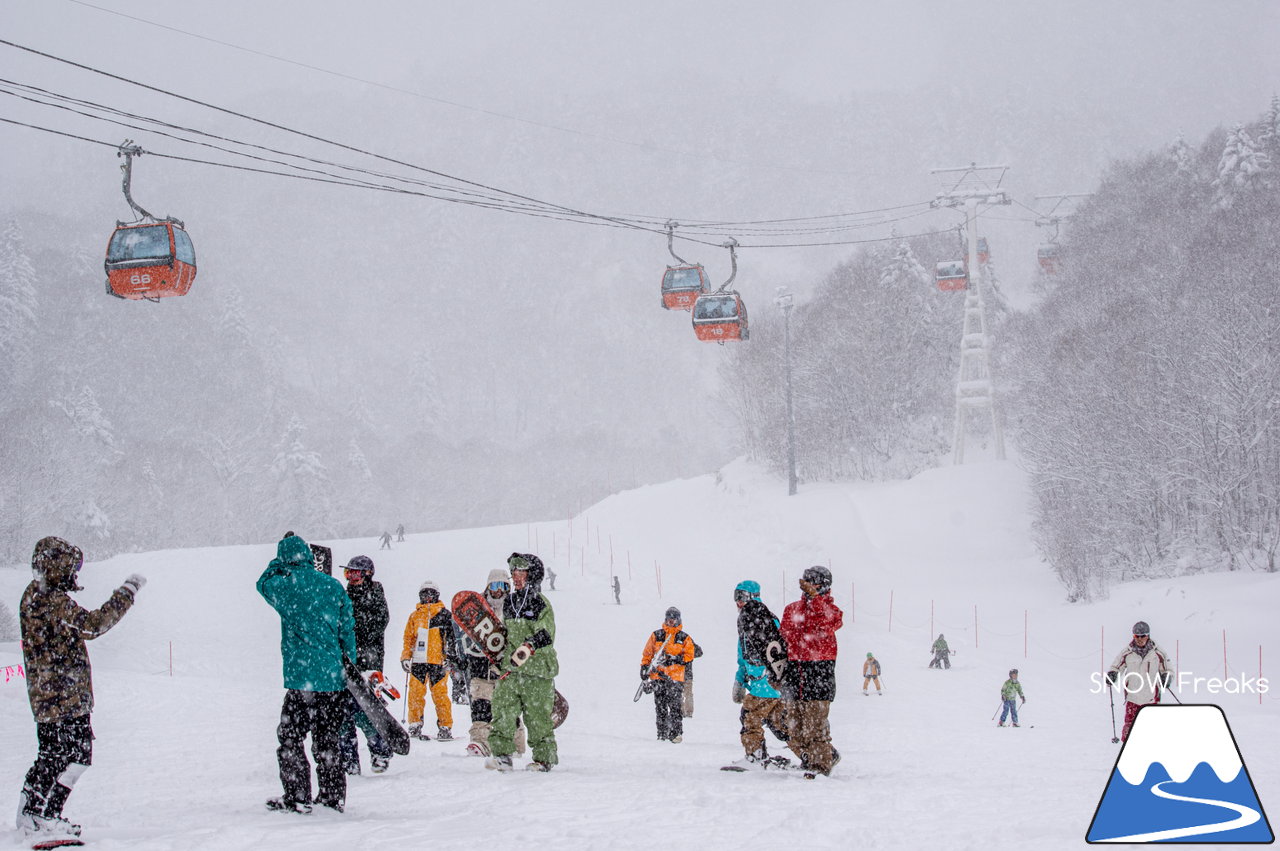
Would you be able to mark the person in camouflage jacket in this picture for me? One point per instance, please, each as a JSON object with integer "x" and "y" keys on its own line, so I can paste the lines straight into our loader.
{"x": 59, "y": 683}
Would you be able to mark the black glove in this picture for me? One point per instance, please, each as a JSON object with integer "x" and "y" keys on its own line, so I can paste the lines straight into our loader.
{"x": 1112, "y": 676}
{"x": 406, "y": 664}
{"x": 644, "y": 672}
{"x": 1166, "y": 679}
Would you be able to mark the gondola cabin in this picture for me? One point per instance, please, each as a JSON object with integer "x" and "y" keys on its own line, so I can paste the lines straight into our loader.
{"x": 681, "y": 286}
{"x": 1049, "y": 258}
{"x": 984, "y": 253}
{"x": 150, "y": 261}
{"x": 952, "y": 276}
{"x": 718, "y": 317}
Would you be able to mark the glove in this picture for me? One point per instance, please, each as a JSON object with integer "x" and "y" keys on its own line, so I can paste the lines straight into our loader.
{"x": 406, "y": 664}
{"x": 739, "y": 691}
{"x": 523, "y": 654}
{"x": 134, "y": 583}
{"x": 644, "y": 673}
{"x": 1024, "y": 700}
{"x": 1112, "y": 676}
{"x": 1166, "y": 679}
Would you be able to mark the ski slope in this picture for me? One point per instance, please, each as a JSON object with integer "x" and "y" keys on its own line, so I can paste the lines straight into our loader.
{"x": 188, "y": 684}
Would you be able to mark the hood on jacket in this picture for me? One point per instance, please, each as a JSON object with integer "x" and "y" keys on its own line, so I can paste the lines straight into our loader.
{"x": 294, "y": 550}
{"x": 56, "y": 562}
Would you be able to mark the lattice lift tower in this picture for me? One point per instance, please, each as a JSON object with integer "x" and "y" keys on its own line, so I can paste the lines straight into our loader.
{"x": 971, "y": 187}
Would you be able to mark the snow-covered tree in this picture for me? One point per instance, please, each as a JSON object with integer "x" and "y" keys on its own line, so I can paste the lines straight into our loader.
{"x": 302, "y": 492}
{"x": 1242, "y": 169}
{"x": 18, "y": 320}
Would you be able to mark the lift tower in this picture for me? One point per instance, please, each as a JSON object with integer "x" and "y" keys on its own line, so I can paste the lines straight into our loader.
{"x": 970, "y": 187}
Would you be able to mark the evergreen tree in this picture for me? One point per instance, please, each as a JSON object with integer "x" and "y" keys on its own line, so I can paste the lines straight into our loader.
{"x": 302, "y": 493}
{"x": 18, "y": 319}
{"x": 1242, "y": 169}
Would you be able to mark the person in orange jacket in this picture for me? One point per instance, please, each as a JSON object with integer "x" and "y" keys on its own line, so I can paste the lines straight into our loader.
{"x": 430, "y": 650}
{"x": 667, "y": 652}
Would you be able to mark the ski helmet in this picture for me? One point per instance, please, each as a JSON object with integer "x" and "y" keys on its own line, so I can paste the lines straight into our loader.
{"x": 528, "y": 562}
{"x": 819, "y": 577}
{"x": 1141, "y": 628}
{"x": 673, "y": 614}
{"x": 364, "y": 564}
{"x": 747, "y": 589}
{"x": 56, "y": 563}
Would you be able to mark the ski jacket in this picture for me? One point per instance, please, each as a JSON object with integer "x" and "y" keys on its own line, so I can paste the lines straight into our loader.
{"x": 940, "y": 647}
{"x": 528, "y": 618}
{"x": 760, "y": 668}
{"x": 429, "y": 636}
{"x": 316, "y": 626}
{"x": 674, "y": 650}
{"x": 809, "y": 626}
{"x": 1011, "y": 689}
{"x": 871, "y": 667}
{"x": 1139, "y": 672}
{"x": 54, "y": 628}
{"x": 369, "y": 608}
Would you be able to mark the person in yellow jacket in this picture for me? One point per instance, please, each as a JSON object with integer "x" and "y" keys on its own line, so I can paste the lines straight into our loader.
{"x": 662, "y": 668}
{"x": 430, "y": 650}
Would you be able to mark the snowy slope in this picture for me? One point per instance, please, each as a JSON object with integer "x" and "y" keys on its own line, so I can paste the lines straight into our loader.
{"x": 185, "y": 760}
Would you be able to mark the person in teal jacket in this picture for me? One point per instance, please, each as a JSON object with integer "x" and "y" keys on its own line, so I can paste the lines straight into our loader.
{"x": 316, "y": 631}
{"x": 529, "y": 666}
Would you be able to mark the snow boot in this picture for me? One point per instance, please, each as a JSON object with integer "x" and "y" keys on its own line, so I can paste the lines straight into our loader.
{"x": 675, "y": 740}
{"x": 380, "y": 763}
{"x": 337, "y": 805}
{"x": 286, "y": 805}
{"x": 444, "y": 734}
{"x": 538, "y": 766}
{"x": 751, "y": 762}
{"x": 499, "y": 763}
{"x": 478, "y": 749}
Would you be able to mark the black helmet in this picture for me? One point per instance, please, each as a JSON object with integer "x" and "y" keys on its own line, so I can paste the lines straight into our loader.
{"x": 818, "y": 576}
{"x": 1141, "y": 628}
{"x": 364, "y": 564}
{"x": 529, "y": 563}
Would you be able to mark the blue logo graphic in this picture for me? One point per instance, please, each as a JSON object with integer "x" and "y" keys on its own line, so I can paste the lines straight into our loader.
{"x": 1180, "y": 779}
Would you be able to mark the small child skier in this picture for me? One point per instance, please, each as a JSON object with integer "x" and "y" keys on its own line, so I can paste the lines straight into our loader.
{"x": 1009, "y": 692}
{"x": 871, "y": 673}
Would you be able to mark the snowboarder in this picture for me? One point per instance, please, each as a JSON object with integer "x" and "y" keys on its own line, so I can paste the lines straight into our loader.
{"x": 809, "y": 627}
{"x": 316, "y": 631}
{"x": 529, "y": 665}
{"x": 429, "y": 652}
{"x": 483, "y": 675}
{"x": 1009, "y": 692}
{"x": 400, "y": 533}
{"x": 941, "y": 654}
{"x": 871, "y": 673}
{"x": 385, "y": 537}
{"x": 369, "y": 609}
{"x": 617, "y": 592}
{"x": 756, "y": 683}
{"x": 667, "y": 651}
{"x": 1141, "y": 669}
{"x": 59, "y": 682}
{"x": 551, "y": 578}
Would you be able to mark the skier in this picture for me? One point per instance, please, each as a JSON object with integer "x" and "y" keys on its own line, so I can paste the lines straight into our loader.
{"x": 871, "y": 673}
{"x": 1011, "y": 690}
{"x": 385, "y": 537}
{"x": 369, "y": 608}
{"x": 400, "y": 533}
{"x": 551, "y": 578}
{"x": 483, "y": 675}
{"x": 617, "y": 591}
{"x": 527, "y": 686}
{"x": 428, "y": 654}
{"x": 1142, "y": 668}
{"x": 762, "y": 657}
{"x": 59, "y": 682}
{"x": 316, "y": 631}
{"x": 809, "y": 627}
{"x": 941, "y": 654}
{"x": 667, "y": 651}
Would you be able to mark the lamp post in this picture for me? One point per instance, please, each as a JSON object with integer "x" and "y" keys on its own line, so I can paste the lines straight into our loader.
{"x": 784, "y": 301}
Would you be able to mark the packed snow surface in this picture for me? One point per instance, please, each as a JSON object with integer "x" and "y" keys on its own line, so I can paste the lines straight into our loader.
{"x": 189, "y": 689}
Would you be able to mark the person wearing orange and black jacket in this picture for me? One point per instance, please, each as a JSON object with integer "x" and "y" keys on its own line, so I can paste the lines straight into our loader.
{"x": 430, "y": 650}
{"x": 667, "y": 652}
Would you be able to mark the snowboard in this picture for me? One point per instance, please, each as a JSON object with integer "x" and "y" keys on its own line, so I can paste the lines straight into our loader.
{"x": 60, "y": 842}
{"x": 376, "y": 711}
{"x": 773, "y": 763}
{"x": 479, "y": 622}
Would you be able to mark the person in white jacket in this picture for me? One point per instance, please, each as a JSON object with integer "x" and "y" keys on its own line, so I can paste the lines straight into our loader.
{"x": 1142, "y": 670}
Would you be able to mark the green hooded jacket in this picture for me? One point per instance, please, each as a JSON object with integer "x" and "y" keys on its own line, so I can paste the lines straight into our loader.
{"x": 316, "y": 625}
{"x": 527, "y": 617}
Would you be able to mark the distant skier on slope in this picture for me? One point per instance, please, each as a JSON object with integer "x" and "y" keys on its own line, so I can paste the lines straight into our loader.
{"x": 385, "y": 538}
{"x": 667, "y": 651}
{"x": 809, "y": 626}
{"x": 1009, "y": 693}
{"x": 871, "y": 673}
{"x": 941, "y": 654}
{"x": 1141, "y": 669}
{"x": 762, "y": 660}
{"x": 369, "y": 609}
{"x": 59, "y": 683}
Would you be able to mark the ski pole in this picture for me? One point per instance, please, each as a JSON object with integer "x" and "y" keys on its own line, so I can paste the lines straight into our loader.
{"x": 997, "y": 712}
{"x": 404, "y": 707}
{"x": 1111, "y": 692}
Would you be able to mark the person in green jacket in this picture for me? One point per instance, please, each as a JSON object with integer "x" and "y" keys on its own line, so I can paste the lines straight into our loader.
{"x": 529, "y": 666}
{"x": 316, "y": 631}
{"x": 1009, "y": 693}
{"x": 941, "y": 654}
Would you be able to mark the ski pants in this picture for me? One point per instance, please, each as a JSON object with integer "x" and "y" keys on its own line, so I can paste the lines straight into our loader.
{"x": 1130, "y": 713}
{"x": 320, "y": 714}
{"x": 1010, "y": 708}
{"x": 523, "y": 696}
{"x": 65, "y": 751}
{"x": 350, "y": 745}
{"x": 756, "y": 713}
{"x": 940, "y": 660}
{"x": 482, "y": 715}
{"x": 438, "y": 676}
{"x": 668, "y": 696}
{"x": 866, "y": 681}
{"x": 811, "y": 734}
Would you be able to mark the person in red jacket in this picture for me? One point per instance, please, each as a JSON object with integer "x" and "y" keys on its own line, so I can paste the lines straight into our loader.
{"x": 809, "y": 627}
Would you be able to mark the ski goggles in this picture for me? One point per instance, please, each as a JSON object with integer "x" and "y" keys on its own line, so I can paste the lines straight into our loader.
{"x": 741, "y": 596}
{"x": 498, "y": 586}
{"x": 518, "y": 563}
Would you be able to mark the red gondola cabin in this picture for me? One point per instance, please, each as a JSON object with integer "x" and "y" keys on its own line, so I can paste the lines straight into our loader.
{"x": 681, "y": 286}
{"x": 718, "y": 317}
{"x": 1049, "y": 258}
{"x": 952, "y": 276}
{"x": 150, "y": 261}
